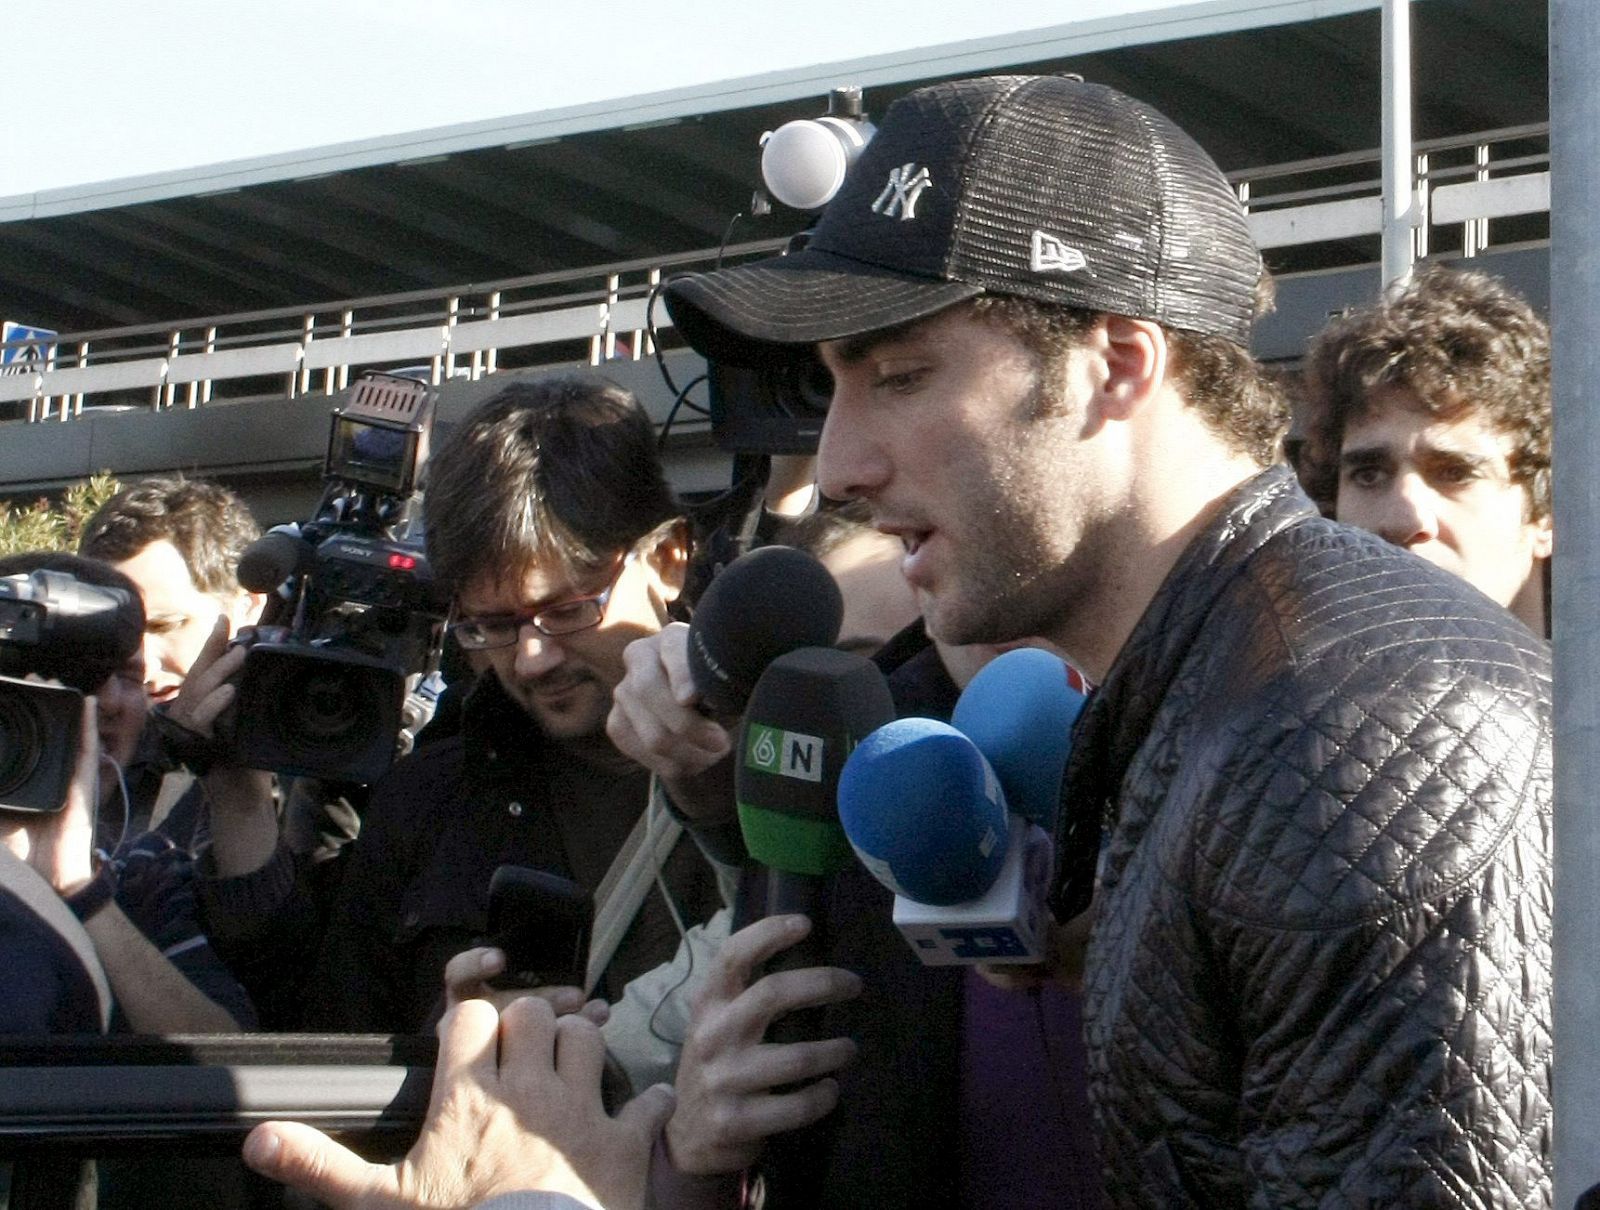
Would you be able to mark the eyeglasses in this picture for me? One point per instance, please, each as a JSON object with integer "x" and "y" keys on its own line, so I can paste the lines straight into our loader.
{"x": 553, "y": 621}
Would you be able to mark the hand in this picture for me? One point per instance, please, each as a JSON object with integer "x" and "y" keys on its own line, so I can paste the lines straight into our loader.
{"x": 466, "y": 978}
{"x": 791, "y": 484}
{"x": 207, "y": 690}
{"x": 653, "y": 717}
{"x": 529, "y": 1120}
{"x": 726, "y": 1106}
{"x": 61, "y": 844}
{"x": 1065, "y": 947}
{"x": 243, "y": 811}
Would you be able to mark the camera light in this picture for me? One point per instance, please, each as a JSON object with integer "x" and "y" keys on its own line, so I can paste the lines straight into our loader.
{"x": 403, "y": 562}
{"x": 803, "y": 162}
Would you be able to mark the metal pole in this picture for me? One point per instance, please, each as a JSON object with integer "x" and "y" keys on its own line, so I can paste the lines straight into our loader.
{"x": 1399, "y": 189}
{"x": 1575, "y": 312}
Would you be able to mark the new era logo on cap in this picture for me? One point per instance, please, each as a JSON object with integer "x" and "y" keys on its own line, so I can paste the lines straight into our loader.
{"x": 1051, "y": 254}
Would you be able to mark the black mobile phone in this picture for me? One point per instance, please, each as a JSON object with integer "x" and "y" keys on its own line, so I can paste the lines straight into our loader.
{"x": 542, "y": 922}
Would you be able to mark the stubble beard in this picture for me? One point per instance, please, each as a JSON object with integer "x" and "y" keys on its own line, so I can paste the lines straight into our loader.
{"x": 1035, "y": 562}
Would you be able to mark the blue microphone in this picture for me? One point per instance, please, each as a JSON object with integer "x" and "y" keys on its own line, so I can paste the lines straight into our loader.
{"x": 1019, "y": 710}
{"x": 926, "y": 815}
{"x": 924, "y": 811}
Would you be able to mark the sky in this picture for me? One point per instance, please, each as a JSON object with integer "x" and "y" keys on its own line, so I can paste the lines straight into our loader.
{"x": 102, "y": 90}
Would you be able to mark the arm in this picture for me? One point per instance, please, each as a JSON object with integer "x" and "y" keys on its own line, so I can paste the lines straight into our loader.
{"x": 242, "y": 806}
{"x": 153, "y": 994}
{"x": 515, "y": 1106}
{"x": 1395, "y": 1032}
{"x": 654, "y": 722}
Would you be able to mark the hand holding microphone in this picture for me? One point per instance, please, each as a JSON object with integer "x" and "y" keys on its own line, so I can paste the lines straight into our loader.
{"x": 770, "y": 601}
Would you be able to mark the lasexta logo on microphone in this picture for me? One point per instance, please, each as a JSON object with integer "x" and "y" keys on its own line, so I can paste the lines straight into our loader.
{"x": 784, "y": 753}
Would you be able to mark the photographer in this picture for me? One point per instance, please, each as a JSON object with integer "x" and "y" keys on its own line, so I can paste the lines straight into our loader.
{"x": 134, "y": 898}
{"x": 553, "y": 530}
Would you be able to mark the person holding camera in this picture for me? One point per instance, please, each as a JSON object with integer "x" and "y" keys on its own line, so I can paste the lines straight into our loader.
{"x": 551, "y": 526}
{"x": 179, "y": 540}
{"x": 148, "y": 967}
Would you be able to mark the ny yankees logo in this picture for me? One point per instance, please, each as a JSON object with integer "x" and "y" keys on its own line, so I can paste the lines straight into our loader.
{"x": 899, "y": 196}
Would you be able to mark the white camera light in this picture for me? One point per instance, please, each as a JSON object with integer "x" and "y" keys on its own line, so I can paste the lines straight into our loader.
{"x": 803, "y": 162}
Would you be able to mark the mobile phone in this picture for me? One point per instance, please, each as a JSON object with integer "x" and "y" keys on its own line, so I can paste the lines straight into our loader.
{"x": 542, "y": 922}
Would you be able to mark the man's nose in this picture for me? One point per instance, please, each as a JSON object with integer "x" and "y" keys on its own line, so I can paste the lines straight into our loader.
{"x": 849, "y": 461}
{"x": 150, "y": 651}
{"x": 537, "y": 653}
{"x": 1412, "y": 517}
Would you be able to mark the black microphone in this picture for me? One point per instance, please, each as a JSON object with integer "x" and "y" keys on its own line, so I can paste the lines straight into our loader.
{"x": 771, "y": 601}
{"x": 272, "y": 558}
{"x": 807, "y": 713}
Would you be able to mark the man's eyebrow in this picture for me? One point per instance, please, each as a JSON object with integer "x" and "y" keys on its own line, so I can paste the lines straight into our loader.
{"x": 1365, "y": 455}
{"x": 1452, "y": 454}
{"x": 861, "y": 644}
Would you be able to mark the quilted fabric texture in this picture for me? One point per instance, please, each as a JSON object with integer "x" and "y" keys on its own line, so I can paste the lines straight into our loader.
{"x": 1320, "y": 967}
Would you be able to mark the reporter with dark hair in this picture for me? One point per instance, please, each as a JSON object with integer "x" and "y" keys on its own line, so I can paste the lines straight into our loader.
{"x": 551, "y": 525}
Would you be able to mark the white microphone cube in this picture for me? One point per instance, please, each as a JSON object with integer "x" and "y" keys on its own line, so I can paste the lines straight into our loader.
{"x": 1007, "y": 924}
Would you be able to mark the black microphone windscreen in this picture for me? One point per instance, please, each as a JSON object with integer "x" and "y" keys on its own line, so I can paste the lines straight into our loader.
{"x": 771, "y": 601}
{"x": 271, "y": 559}
{"x": 808, "y": 712}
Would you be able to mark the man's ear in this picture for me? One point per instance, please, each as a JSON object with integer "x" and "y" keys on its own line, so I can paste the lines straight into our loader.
{"x": 668, "y": 560}
{"x": 1544, "y": 537}
{"x": 1135, "y": 354}
{"x": 245, "y": 609}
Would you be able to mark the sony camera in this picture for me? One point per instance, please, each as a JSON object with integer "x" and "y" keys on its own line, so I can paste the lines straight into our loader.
{"x": 55, "y": 626}
{"x": 777, "y": 408}
{"x": 353, "y": 614}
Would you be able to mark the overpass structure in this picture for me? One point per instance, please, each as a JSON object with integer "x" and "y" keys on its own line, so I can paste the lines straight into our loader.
{"x": 219, "y": 307}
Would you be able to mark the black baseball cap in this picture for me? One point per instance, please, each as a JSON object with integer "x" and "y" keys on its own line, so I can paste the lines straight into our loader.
{"x": 1044, "y": 187}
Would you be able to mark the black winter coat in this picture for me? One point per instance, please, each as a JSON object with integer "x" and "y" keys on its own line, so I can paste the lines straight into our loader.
{"x": 1320, "y": 967}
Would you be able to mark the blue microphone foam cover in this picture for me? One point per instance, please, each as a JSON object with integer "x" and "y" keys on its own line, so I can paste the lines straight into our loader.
{"x": 924, "y": 811}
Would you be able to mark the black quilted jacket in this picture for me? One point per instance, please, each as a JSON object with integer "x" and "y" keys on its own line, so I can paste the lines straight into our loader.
{"x": 1320, "y": 967}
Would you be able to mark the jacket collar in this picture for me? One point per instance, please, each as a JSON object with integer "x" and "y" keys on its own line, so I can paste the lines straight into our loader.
{"x": 1123, "y": 710}
{"x": 492, "y": 725}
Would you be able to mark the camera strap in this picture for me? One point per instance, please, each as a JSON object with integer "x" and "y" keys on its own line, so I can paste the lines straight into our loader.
{"x": 622, "y": 891}
{"x": 26, "y": 883}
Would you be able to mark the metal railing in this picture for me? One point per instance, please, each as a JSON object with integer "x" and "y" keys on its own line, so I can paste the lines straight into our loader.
{"x": 600, "y": 313}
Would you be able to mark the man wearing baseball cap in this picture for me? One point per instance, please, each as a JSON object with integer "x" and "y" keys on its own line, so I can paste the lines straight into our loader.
{"x": 1311, "y": 797}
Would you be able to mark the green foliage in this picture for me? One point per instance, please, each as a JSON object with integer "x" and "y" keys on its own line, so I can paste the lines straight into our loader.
{"x": 43, "y": 525}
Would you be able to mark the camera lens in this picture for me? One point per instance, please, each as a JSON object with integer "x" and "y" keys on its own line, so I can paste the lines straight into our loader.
{"x": 21, "y": 742}
{"x": 801, "y": 388}
{"x": 330, "y": 705}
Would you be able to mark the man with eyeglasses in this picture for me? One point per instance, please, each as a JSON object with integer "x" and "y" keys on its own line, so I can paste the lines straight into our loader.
{"x": 550, "y": 523}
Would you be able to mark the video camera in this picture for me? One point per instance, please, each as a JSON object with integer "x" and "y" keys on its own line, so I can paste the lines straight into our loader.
{"x": 353, "y": 612}
{"x": 54, "y": 625}
{"x": 779, "y": 407}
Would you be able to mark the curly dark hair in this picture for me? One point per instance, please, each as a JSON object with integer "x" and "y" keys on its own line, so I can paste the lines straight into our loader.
{"x": 558, "y": 471}
{"x": 1463, "y": 343}
{"x": 1238, "y": 400}
{"x": 209, "y": 525}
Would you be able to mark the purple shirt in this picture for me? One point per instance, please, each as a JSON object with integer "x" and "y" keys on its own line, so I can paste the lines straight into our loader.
{"x": 1027, "y": 1136}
